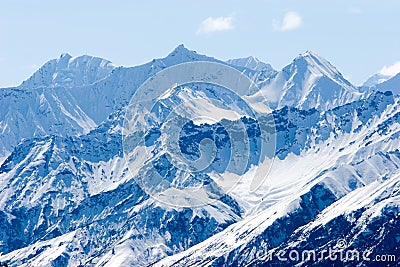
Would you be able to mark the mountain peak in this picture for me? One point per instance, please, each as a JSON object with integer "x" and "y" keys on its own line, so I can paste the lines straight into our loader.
{"x": 310, "y": 81}
{"x": 181, "y": 47}
{"x": 392, "y": 84}
{"x": 250, "y": 63}
{"x": 319, "y": 66}
{"x": 311, "y": 57}
{"x": 65, "y": 55}
{"x": 181, "y": 50}
{"x": 70, "y": 71}
{"x": 376, "y": 79}
{"x": 181, "y": 54}
{"x": 61, "y": 61}
{"x": 310, "y": 53}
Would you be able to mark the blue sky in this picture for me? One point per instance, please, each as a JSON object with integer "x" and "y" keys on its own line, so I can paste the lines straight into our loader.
{"x": 358, "y": 37}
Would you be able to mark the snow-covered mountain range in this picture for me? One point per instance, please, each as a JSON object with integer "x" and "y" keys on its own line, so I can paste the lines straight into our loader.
{"x": 68, "y": 197}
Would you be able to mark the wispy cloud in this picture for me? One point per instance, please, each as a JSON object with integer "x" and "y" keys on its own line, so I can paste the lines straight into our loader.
{"x": 291, "y": 21}
{"x": 391, "y": 70}
{"x": 211, "y": 24}
{"x": 355, "y": 10}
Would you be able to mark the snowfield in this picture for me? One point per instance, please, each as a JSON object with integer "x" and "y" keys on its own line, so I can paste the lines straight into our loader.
{"x": 76, "y": 190}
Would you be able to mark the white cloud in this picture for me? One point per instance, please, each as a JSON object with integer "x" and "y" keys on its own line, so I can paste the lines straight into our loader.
{"x": 211, "y": 24}
{"x": 391, "y": 70}
{"x": 290, "y": 21}
{"x": 355, "y": 10}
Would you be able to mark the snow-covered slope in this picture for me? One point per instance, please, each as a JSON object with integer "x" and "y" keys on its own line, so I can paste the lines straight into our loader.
{"x": 72, "y": 95}
{"x": 392, "y": 84}
{"x": 75, "y": 195}
{"x": 308, "y": 82}
{"x": 376, "y": 79}
{"x": 68, "y": 197}
{"x": 70, "y": 71}
{"x": 88, "y": 205}
{"x": 251, "y": 63}
{"x": 327, "y": 193}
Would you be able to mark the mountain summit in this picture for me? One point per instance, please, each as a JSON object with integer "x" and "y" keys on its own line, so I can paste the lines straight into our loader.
{"x": 70, "y": 71}
{"x": 182, "y": 54}
{"x": 310, "y": 81}
{"x": 317, "y": 65}
{"x": 250, "y": 63}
